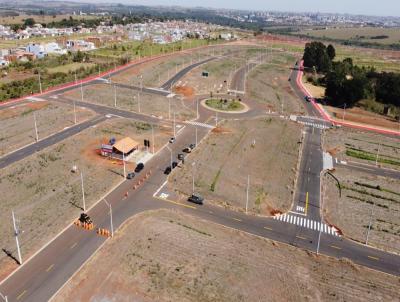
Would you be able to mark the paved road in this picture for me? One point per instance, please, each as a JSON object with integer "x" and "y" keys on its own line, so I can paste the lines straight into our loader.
{"x": 45, "y": 273}
{"x": 238, "y": 81}
{"x": 370, "y": 169}
{"x": 167, "y": 85}
{"x": 46, "y": 142}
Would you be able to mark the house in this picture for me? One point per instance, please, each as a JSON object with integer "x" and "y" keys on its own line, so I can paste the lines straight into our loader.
{"x": 36, "y": 49}
{"x": 54, "y": 48}
{"x": 76, "y": 45}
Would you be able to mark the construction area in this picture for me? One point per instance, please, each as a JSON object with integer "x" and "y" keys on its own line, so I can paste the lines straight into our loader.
{"x": 45, "y": 189}
{"x": 239, "y": 156}
{"x": 168, "y": 256}
{"x": 18, "y": 122}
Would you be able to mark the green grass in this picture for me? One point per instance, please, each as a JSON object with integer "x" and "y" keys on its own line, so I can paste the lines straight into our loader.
{"x": 364, "y": 192}
{"x": 70, "y": 67}
{"x": 225, "y": 104}
{"x": 369, "y": 156}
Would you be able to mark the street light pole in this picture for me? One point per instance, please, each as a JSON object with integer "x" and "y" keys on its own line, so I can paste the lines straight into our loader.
{"x": 193, "y": 168}
{"x": 369, "y": 227}
{"x": 16, "y": 233}
{"x": 115, "y": 95}
{"x": 40, "y": 84}
{"x": 377, "y": 154}
{"x": 247, "y": 192}
{"x": 152, "y": 137}
{"x": 174, "y": 126}
{"x": 83, "y": 194}
{"x": 319, "y": 240}
{"x": 81, "y": 92}
{"x": 138, "y": 96}
{"x": 74, "y": 112}
{"x": 169, "y": 109}
{"x": 36, "y": 130}
{"x": 111, "y": 219}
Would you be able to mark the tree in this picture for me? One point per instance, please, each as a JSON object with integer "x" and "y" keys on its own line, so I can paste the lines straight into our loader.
{"x": 315, "y": 55}
{"x": 330, "y": 50}
{"x": 29, "y": 22}
{"x": 78, "y": 56}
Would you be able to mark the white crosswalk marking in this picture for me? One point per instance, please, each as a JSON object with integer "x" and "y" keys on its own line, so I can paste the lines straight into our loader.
{"x": 200, "y": 124}
{"x": 307, "y": 223}
{"x": 315, "y": 125}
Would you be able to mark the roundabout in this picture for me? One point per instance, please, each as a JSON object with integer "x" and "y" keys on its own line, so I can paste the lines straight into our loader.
{"x": 225, "y": 105}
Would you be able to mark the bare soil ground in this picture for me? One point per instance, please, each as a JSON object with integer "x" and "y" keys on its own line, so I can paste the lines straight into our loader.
{"x": 268, "y": 84}
{"x": 220, "y": 72}
{"x": 361, "y": 116}
{"x": 168, "y": 256}
{"x": 17, "y": 122}
{"x": 364, "y": 199}
{"x": 128, "y": 99}
{"x": 266, "y": 149}
{"x": 316, "y": 91}
{"x": 46, "y": 195}
{"x": 353, "y": 145}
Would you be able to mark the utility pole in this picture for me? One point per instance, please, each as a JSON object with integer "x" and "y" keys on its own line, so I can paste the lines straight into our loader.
{"x": 174, "y": 125}
{"x": 16, "y": 233}
{"x": 369, "y": 227}
{"x": 83, "y": 194}
{"x": 247, "y": 192}
{"x": 111, "y": 220}
{"x": 377, "y": 154}
{"x": 123, "y": 160}
{"x": 40, "y": 84}
{"x": 36, "y": 130}
{"x": 138, "y": 97}
{"x": 74, "y": 112}
{"x": 319, "y": 240}
{"x": 152, "y": 138}
{"x": 81, "y": 92}
{"x": 193, "y": 170}
{"x": 115, "y": 95}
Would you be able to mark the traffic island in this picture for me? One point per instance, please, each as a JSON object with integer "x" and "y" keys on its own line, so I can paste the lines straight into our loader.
{"x": 225, "y": 105}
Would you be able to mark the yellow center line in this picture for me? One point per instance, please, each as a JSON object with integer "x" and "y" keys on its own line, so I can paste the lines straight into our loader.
{"x": 336, "y": 247}
{"x": 174, "y": 202}
{"x": 237, "y": 219}
{"x": 300, "y": 237}
{"x": 49, "y": 268}
{"x": 74, "y": 245}
{"x": 21, "y": 294}
{"x": 374, "y": 258}
{"x": 267, "y": 228}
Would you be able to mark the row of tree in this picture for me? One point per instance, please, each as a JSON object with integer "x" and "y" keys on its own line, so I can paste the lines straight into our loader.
{"x": 348, "y": 83}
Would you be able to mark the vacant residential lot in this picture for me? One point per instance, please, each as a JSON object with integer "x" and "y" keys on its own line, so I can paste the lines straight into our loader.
{"x": 46, "y": 195}
{"x": 365, "y": 147}
{"x": 264, "y": 149}
{"x": 168, "y": 256}
{"x": 364, "y": 199}
{"x": 134, "y": 100}
{"x": 18, "y": 122}
{"x": 268, "y": 84}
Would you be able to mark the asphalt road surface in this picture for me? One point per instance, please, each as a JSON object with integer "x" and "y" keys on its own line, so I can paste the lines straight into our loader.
{"x": 44, "y": 274}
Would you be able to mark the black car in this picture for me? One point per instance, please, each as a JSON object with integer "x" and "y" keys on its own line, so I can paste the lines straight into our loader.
{"x": 197, "y": 199}
{"x": 167, "y": 170}
{"x": 139, "y": 167}
{"x": 307, "y": 98}
{"x": 174, "y": 164}
{"x": 187, "y": 150}
{"x": 192, "y": 146}
{"x": 84, "y": 218}
{"x": 130, "y": 175}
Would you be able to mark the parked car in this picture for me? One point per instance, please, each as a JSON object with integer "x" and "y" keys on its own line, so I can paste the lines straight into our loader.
{"x": 187, "y": 150}
{"x": 181, "y": 156}
{"x": 139, "y": 167}
{"x": 172, "y": 140}
{"x": 174, "y": 164}
{"x": 192, "y": 146}
{"x": 167, "y": 170}
{"x": 130, "y": 175}
{"x": 195, "y": 198}
{"x": 307, "y": 98}
{"x": 84, "y": 218}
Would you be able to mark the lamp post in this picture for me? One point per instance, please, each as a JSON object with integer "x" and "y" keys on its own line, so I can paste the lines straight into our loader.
{"x": 170, "y": 151}
{"x": 111, "y": 219}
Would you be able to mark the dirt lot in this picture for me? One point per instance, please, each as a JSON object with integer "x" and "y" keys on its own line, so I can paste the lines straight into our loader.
{"x": 17, "y": 122}
{"x": 347, "y": 144}
{"x": 127, "y": 99}
{"x": 226, "y": 157}
{"x": 219, "y": 71}
{"x": 361, "y": 116}
{"x": 46, "y": 196}
{"x": 167, "y": 256}
{"x": 364, "y": 198}
{"x": 268, "y": 84}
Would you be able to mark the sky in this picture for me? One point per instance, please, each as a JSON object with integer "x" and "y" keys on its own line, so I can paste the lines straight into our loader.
{"x": 365, "y": 7}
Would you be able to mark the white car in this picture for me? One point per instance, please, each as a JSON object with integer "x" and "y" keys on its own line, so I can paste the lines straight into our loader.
{"x": 172, "y": 139}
